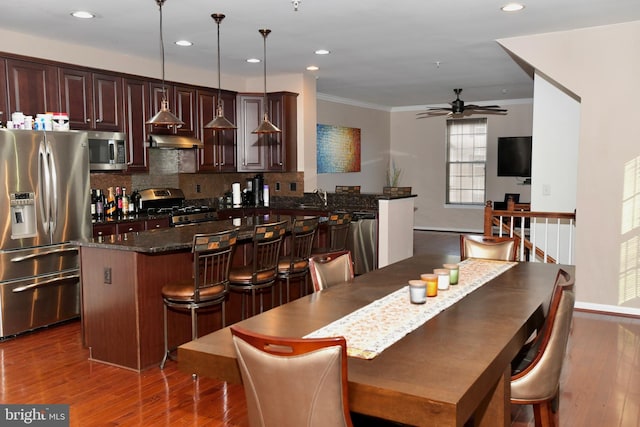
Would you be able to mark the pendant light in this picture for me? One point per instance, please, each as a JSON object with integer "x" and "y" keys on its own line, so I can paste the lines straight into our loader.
{"x": 266, "y": 126}
{"x": 164, "y": 116}
{"x": 220, "y": 122}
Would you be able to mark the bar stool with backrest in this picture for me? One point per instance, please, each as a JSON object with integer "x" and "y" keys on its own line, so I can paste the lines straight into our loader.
{"x": 209, "y": 286}
{"x": 330, "y": 269}
{"x": 293, "y": 381}
{"x": 295, "y": 265}
{"x": 338, "y": 231}
{"x": 489, "y": 247}
{"x": 261, "y": 271}
{"x": 535, "y": 378}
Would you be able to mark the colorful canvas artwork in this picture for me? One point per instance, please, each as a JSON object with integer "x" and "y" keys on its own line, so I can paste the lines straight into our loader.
{"x": 338, "y": 149}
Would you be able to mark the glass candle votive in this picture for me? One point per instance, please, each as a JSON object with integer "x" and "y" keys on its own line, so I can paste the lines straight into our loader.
{"x": 443, "y": 278}
{"x": 417, "y": 291}
{"x": 432, "y": 284}
{"x": 454, "y": 272}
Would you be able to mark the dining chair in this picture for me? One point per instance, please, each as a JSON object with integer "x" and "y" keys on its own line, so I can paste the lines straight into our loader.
{"x": 293, "y": 381}
{"x": 489, "y": 247}
{"x": 260, "y": 273}
{"x": 209, "y": 286}
{"x": 330, "y": 269}
{"x": 338, "y": 225}
{"x": 295, "y": 265}
{"x": 535, "y": 378}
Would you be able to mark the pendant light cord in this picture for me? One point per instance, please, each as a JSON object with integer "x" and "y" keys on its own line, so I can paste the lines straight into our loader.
{"x": 219, "y": 84}
{"x": 164, "y": 90}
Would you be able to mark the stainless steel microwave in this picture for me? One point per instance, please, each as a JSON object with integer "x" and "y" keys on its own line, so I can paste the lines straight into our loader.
{"x": 107, "y": 150}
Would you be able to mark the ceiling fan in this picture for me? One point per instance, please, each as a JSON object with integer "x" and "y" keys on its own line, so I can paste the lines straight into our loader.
{"x": 458, "y": 109}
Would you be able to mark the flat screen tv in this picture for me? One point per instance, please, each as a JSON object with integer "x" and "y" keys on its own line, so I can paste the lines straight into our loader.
{"x": 514, "y": 156}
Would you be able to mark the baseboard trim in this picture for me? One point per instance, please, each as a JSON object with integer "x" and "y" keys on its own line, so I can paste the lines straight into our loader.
{"x": 451, "y": 230}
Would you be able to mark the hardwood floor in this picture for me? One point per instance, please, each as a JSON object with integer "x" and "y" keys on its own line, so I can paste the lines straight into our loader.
{"x": 600, "y": 382}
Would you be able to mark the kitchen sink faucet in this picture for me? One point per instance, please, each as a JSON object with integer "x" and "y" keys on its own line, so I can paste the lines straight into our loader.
{"x": 322, "y": 195}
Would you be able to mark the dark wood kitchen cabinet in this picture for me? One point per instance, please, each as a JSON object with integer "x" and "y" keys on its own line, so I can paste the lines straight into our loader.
{"x": 270, "y": 152}
{"x": 252, "y": 155}
{"x": 136, "y": 114}
{"x": 6, "y": 114}
{"x": 182, "y": 103}
{"x": 283, "y": 147}
{"x": 219, "y": 151}
{"x": 93, "y": 101}
{"x": 32, "y": 87}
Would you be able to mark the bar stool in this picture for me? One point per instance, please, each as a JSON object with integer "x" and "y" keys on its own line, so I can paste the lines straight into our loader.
{"x": 212, "y": 255}
{"x": 261, "y": 272}
{"x": 295, "y": 265}
{"x": 338, "y": 225}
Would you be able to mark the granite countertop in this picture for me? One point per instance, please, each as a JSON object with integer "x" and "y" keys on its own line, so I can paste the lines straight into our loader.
{"x": 177, "y": 238}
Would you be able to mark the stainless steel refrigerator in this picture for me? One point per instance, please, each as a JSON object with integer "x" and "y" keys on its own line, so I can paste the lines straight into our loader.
{"x": 44, "y": 204}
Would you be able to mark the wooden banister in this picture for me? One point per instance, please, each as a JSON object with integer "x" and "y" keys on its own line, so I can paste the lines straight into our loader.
{"x": 505, "y": 221}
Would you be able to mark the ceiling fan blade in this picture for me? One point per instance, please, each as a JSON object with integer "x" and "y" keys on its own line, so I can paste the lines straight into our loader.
{"x": 427, "y": 114}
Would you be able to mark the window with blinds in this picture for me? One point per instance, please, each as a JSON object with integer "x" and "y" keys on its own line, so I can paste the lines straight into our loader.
{"x": 466, "y": 161}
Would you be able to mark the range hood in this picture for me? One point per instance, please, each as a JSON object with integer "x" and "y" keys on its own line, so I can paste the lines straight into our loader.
{"x": 174, "y": 142}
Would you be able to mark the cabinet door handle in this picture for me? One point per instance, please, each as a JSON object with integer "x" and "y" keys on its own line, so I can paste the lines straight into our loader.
{"x": 88, "y": 120}
{"x": 98, "y": 120}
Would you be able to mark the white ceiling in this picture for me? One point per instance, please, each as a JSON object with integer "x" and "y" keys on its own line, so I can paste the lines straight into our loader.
{"x": 382, "y": 53}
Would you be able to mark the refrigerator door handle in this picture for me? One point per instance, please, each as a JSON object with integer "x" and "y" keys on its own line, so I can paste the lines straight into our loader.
{"x": 44, "y": 186}
{"x": 45, "y": 283}
{"x": 42, "y": 254}
{"x": 53, "y": 187}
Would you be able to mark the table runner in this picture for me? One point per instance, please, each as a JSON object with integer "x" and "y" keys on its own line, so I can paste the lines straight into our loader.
{"x": 376, "y": 326}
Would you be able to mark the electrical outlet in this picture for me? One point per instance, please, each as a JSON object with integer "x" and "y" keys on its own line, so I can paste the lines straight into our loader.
{"x": 107, "y": 275}
{"x": 277, "y": 186}
{"x": 546, "y": 190}
{"x": 293, "y": 186}
{"x": 197, "y": 188}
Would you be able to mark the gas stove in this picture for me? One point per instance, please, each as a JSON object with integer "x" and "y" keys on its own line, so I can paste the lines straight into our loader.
{"x": 170, "y": 201}
{"x": 192, "y": 215}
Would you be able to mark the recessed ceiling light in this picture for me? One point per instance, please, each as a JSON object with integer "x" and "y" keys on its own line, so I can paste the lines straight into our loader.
{"x": 184, "y": 43}
{"x": 512, "y": 7}
{"x": 82, "y": 14}
{"x": 322, "y": 52}
{"x": 253, "y": 60}
{"x": 313, "y": 68}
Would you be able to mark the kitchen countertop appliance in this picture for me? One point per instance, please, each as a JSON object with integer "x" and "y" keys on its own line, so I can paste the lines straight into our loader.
{"x": 44, "y": 204}
{"x": 171, "y": 201}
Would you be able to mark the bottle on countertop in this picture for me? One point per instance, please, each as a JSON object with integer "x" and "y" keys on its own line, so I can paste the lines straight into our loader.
{"x": 93, "y": 203}
{"x": 125, "y": 202}
{"x": 132, "y": 202}
{"x": 99, "y": 205}
{"x": 118, "y": 202}
{"x": 110, "y": 209}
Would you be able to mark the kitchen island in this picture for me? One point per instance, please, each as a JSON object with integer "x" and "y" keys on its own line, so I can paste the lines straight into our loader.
{"x": 122, "y": 278}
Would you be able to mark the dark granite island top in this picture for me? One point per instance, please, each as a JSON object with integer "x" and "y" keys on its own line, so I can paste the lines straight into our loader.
{"x": 178, "y": 238}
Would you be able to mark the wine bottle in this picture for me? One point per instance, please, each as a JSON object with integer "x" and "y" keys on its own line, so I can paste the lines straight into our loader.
{"x": 132, "y": 202}
{"x": 99, "y": 205}
{"x": 111, "y": 206}
{"x": 118, "y": 202}
{"x": 125, "y": 202}
{"x": 93, "y": 204}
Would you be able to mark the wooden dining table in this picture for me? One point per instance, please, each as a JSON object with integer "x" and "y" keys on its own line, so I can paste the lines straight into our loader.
{"x": 453, "y": 368}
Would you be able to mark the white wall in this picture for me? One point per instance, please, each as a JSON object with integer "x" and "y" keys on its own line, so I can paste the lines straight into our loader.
{"x": 556, "y": 129}
{"x": 601, "y": 66}
{"x": 374, "y": 146}
{"x": 419, "y": 148}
